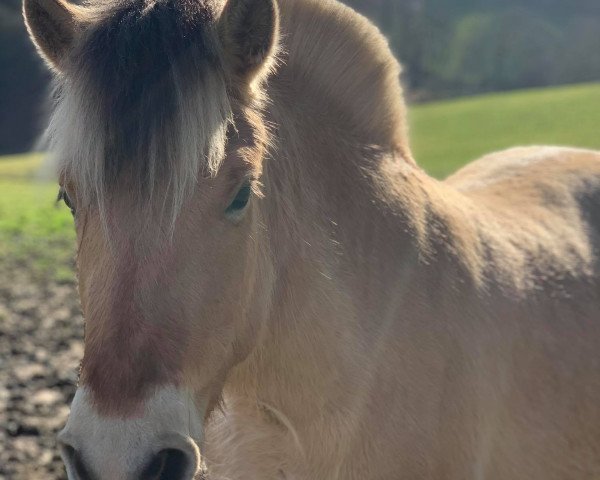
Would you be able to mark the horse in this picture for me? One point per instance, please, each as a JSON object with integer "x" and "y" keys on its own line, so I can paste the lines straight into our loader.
{"x": 274, "y": 289}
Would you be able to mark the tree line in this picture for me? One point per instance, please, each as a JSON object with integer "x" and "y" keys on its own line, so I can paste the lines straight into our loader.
{"x": 461, "y": 47}
{"x": 448, "y": 48}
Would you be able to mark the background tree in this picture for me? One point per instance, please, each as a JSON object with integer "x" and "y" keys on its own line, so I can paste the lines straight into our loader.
{"x": 500, "y": 51}
{"x": 447, "y": 47}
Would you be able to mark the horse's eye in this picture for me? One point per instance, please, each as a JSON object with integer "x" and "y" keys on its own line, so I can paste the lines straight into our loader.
{"x": 64, "y": 196}
{"x": 240, "y": 201}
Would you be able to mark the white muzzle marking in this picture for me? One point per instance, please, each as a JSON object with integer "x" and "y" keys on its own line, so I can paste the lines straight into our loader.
{"x": 164, "y": 436}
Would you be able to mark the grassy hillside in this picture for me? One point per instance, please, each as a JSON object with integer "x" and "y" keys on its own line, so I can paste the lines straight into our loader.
{"x": 446, "y": 135}
{"x": 37, "y": 233}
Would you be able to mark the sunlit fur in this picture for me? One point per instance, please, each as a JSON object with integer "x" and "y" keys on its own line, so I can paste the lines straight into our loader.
{"x": 362, "y": 320}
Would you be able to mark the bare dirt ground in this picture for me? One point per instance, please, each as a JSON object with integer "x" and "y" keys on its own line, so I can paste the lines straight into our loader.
{"x": 41, "y": 333}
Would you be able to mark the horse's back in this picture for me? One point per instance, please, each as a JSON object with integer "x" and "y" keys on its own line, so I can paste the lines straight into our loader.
{"x": 521, "y": 166}
{"x": 544, "y": 192}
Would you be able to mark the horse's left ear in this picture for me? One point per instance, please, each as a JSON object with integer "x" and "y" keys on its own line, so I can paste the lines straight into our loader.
{"x": 249, "y": 31}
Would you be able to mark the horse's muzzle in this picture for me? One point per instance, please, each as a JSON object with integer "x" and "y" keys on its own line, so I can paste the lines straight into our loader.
{"x": 160, "y": 444}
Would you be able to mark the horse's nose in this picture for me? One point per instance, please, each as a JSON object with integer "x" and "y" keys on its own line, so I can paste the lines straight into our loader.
{"x": 73, "y": 462}
{"x": 169, "y": 464}
{"x": 177, "y": 460}
{"x": 159, "y": 442}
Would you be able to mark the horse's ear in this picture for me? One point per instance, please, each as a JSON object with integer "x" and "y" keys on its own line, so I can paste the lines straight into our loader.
{"x": 249, "y": 31}
{"x": 52, "y": 26}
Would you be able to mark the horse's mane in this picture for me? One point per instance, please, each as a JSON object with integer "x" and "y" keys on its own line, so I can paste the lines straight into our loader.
{"x": 347, "y": 61}
{"x": 141, "y": 95}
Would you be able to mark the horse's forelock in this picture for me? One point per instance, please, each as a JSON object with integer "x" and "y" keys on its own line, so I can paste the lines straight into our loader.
{"x": 144, "y": 94}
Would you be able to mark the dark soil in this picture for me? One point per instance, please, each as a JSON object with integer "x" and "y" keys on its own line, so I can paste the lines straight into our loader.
{"x": 41, "y": 332}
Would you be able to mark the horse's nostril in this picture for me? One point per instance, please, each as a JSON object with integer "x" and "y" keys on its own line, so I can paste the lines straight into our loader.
{"x": 168, "y": 464}
{"x": 73, "y": 462}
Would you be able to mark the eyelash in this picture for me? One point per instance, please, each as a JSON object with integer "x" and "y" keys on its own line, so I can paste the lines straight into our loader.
{"x": 241, "y": 200}
{"x": 64, "y": 197}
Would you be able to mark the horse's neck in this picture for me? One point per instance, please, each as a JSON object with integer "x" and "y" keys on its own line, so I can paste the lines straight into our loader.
{"x": 332, "y": 181}
{"x": 346, "y": 208}
{"x": 348, "y": 222}
{"x": 346, "y": 228}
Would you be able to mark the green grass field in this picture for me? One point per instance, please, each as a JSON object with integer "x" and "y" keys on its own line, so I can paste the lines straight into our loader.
{"x": 37, "y": 233}
{"x": 446, "y": 135}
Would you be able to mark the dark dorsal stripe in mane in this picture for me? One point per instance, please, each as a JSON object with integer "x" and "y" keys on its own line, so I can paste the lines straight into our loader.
{"x": 136, "y": 63}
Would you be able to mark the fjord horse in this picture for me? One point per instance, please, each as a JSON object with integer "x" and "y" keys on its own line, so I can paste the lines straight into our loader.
{"x": 273, "y": 289}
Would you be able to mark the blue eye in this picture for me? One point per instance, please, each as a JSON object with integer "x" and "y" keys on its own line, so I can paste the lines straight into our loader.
{"x": 241, "y": 199}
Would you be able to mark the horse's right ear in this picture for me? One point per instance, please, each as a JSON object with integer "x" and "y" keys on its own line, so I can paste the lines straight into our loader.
{"x": 52, "y": 26}
{"x": 249, "y": 31}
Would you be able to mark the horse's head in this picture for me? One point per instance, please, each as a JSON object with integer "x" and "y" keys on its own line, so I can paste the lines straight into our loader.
{"x": 158, "y": 131}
